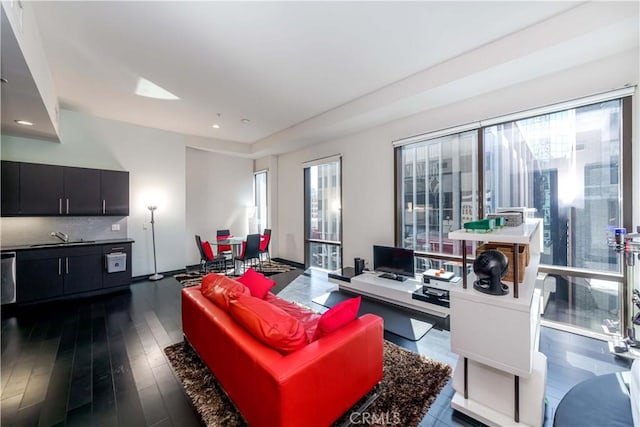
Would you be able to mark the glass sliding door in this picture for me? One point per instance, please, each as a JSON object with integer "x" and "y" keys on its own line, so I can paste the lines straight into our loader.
{"x": 260, "y": 200}
{"x": 323, "y": 215}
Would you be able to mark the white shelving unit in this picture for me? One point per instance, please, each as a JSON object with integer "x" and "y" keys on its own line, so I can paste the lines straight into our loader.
{"x": 500, "y": 377}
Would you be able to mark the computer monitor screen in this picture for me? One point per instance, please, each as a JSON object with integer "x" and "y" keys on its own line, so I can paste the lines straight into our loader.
{"x": 393, "y": 260}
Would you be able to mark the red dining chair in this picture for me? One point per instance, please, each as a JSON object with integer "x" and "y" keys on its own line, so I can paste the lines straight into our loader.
{"x": 264, "y": 243}
{"x": 224, "y": 235}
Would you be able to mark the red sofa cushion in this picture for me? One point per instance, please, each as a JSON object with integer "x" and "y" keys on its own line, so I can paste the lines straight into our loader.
{"x": 220, "y": 289}
{"x": 268, "y": 323}
{"x": 257, "y": 283}
{"x": 336, "y": 317}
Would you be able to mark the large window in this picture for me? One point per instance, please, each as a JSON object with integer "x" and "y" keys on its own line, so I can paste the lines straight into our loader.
{"x": 260, "y": 200}
{"x": 564, "y": 166}
{"x": 323, "y": 215}
{"x": 439, "y": 192}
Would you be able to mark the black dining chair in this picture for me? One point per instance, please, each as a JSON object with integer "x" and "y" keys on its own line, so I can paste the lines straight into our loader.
{"x": 264, "y": 243}
{"x": 209, "y": 260}
{"x": 250, "y": 251}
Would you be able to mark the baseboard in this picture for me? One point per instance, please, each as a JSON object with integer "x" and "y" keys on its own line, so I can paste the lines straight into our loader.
{"x": 164, "y": 273}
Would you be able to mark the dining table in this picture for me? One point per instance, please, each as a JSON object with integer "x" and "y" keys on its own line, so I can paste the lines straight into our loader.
{"x": 236, "y": 246}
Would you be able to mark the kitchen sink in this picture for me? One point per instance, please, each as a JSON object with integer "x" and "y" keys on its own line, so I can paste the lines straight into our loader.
{"x": 60, "y": 244}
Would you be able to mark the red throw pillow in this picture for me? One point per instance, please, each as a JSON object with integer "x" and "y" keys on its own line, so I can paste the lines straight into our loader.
{"x": 208, "y": 252}
{"x": 268, "y": 323}
{"x": 336, "y": 317}
{"x": 258, "y": 284}
{"x": 221, "y": 290}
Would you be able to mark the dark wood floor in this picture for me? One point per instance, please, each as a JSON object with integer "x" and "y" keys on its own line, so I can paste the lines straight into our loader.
{"x": 100, "y": 362}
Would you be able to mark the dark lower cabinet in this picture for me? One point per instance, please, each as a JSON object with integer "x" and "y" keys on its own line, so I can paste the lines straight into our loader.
{"x": 43, "y": 274}
{"x": 82, "y": 273}
{"x": 38, "y": 278}
{"x": 117, "y": 278}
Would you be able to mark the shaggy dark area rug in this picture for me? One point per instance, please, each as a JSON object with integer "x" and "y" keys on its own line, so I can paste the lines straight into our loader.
{"x": 410, "y": 384}
{"x": 193, "y": 278}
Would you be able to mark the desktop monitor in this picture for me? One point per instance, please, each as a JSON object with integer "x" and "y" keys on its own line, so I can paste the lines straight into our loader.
{"x": 396, "y": 263}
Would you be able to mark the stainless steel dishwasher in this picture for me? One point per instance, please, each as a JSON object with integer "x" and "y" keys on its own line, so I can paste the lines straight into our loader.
{"x": 8, "y": 278}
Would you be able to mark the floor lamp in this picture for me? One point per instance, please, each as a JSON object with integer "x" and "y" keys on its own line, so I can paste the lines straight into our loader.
{"x": 154, "y": 276}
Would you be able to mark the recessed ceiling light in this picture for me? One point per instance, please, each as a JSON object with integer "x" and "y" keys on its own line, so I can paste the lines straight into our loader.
{"x": 216, "y": 126}
{"x": 245, "y": 121}
{"x": 24, "y": 123}
{"x": 152, "y": 90}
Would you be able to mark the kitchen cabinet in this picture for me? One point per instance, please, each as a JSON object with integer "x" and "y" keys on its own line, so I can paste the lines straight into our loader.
{"x": 81, "y": 191}
{"x": 47, "y": 273}
{"x": 10, "y": 186}
{"x": 41, "y": 189}
{"x": 30, "y": 189}
{"x": 114, "y": 188}
{"x": 82, "y": 271}
{"x": 38, "y": 277}
{"x": 118, "y": 278}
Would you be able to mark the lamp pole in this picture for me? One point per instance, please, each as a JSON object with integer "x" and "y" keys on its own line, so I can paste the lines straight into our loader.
{"x": 154, "y": 276}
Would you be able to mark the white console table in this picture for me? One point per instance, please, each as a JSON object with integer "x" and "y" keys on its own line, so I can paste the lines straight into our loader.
{"x": 500, "y": 377}
{"x": 395, "y": 292}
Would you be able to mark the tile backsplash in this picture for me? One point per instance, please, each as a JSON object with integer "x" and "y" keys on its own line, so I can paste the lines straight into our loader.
{"x": 31, "y": 230}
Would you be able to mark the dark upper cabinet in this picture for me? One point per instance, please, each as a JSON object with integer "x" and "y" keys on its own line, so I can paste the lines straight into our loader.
{"x": 41, "y": 189}
{"x": 115, "y": 192}
{"x": 81, "y": 191}
{"x": 30, "y": 189}
{"x": 10, "y": 188}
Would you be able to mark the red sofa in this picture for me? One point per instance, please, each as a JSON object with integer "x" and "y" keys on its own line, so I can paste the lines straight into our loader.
{"x": 311, "y": 386}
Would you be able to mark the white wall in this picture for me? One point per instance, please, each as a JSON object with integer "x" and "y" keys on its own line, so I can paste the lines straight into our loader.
{"x": 368, "y": 172}
{"x": 219, "y": 194}
{"x": 155, "y": 160}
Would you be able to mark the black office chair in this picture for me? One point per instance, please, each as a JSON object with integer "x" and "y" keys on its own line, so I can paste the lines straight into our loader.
{"x": 218, "y": 262}
{"x": 264, "y": 244}
{"x": 251, "y": 251}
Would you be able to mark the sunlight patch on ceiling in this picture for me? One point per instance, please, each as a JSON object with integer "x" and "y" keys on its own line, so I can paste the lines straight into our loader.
{"x": 151, "y": 90}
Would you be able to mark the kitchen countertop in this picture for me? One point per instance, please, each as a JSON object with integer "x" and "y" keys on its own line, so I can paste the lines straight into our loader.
{"x": 56, "y": 245}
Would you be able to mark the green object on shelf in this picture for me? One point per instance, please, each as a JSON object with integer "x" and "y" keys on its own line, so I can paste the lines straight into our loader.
{"x": 500, "y": 221}
{"x": 480, "y": 225}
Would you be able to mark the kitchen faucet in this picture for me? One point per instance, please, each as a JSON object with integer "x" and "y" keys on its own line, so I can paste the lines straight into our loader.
{"x": 60, "y": 235}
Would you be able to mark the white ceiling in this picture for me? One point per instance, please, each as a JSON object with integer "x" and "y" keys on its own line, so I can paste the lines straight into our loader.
{"x": 304, "y": 71}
